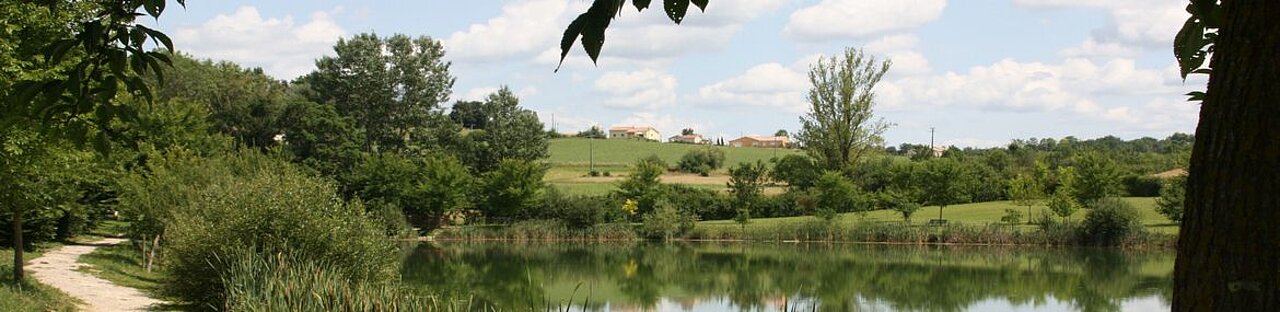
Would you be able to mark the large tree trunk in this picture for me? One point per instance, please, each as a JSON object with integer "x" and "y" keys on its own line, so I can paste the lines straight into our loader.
{"x": 1229, "y": 249}
{"x": 17, "y": 246}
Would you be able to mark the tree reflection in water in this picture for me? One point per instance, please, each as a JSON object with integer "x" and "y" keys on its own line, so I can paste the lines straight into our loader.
{"x": 732, "y": 277}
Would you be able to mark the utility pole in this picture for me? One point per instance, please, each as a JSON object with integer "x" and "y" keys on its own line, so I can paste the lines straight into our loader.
{"x": 932, "y": 152}
{"x": 591, "y": 154}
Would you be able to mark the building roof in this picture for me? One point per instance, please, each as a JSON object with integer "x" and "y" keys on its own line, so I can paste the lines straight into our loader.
{"x": 764, "y": 138}
{"x": 687, "y": 136}
{"x": 631, "y": 129}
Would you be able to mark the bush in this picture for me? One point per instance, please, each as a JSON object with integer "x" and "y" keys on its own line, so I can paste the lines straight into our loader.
{"x": 275, "y": 211}
{"x": 1142, "y": 186}
{"x": 1172, "y": 199}
{"x": 703, "y": 203}
{"x": 798, "y": 171}
{"x": 513, "y": 190}
{"x": 579, "y": 212}
{"x": 1109, "y": 222}
{"x": 835, "y": 195}
{"x": 643, "y": 185}
{"x": 666, "y": 222}
{"x": 701, "y": 161}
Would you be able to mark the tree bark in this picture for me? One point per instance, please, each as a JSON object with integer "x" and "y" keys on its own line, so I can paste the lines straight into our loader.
{"x": 17, "y": 246}
{"x": 1229, "y": 249}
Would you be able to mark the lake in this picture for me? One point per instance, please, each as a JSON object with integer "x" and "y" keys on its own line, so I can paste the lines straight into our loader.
{"x": 789, "y": 277}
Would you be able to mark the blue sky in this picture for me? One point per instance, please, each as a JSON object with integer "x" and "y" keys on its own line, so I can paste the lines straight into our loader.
{"x": 981, "y": 72}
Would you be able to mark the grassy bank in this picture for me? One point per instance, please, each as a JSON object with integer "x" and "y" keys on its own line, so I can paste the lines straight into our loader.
{"x": 30, "y": 295}
{"x": 570, "y": 160}
{"x": 976, "y": 223}
{"x": 122, "y": 265}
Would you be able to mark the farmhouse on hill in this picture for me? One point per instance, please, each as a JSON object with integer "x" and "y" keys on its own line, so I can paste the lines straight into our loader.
{"x": 761, "y": 141}
{"x": 688, "y": 138}
{"x": 646, "y": 133}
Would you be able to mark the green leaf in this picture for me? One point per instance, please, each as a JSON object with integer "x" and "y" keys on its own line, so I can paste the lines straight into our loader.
{"x": 101, "y": 144}
{"x": 159, "y": 36}
{"x": 1188, "y": 45}
{"x": 702, "y": 4}
{"x": 641, "y": 4}
{"x": 570, "y": 35}
{"x": 1195, "y": 96}
{"x": 676, "y": 9}
{"x": 155, "y": 7}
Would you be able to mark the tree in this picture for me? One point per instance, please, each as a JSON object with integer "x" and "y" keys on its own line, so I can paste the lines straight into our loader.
{"x": 245, "y": 104}
{"x": 62, "y": 66}
{"x": 392, "y": 87}
{"x": 593, "y": 133}
{"x": 943, "y": 181}
{"x": 642, "y": 185}
{"x": 470, "y": 114}
{"x": 835, "y": 194}
{"x": 1172, "y": 199}
{"x": 797, "y": 171}
{"x": 686, "y": 131}
{"x": 1063, "y": 202}
{"x": 781, "y": 133}
{"x": 445, "y": 186}
{"x": 1098, "y": 177}
{"x": 1026, "y": 190}
{"x": 746, "y": 183}
{"x": 318, "y": 137}
{"x": 511, "y": 133}
{"x": 513, "y": 190}
{"x": 840, "y": 126}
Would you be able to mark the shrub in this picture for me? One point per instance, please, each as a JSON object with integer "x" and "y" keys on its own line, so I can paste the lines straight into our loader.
{"x": 798, "y": 171}
{"x": 579, "y": 212}
{"x": 275, "y": 211}
{"x": 666, "y": 223}
{"x": 1011, "y": 216}
{"x": 835, "y": 194}
{"x": 513, "y": 190}
{"x": 1172, "y": 199}
{"x": 1142, "y": 186}
{"x": 642, "y": 185}
{"x": 701, "y": 161}
{"x": 1109, "y": 222}
{"x": 703, "y": 203}
{"x": 655, "y": 160}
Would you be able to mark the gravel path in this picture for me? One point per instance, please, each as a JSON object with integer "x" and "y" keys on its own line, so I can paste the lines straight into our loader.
{"x": 57, "y": 268}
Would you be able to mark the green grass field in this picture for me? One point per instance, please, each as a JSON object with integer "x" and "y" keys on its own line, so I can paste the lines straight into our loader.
{"x": 619, "y": 153}
{"x": 976, "y": 213}
{"x": 571, "y": 160}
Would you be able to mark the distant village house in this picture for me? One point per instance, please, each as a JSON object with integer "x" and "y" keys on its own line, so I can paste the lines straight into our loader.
{"x": 646, "y": 133}
{"x": 688, "y": 139}
{"x": 761, "y": 141}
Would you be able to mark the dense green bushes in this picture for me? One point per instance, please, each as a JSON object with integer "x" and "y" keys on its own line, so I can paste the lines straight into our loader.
{"x": 1109, "y": 221}
{"x": 701, "y": 161}
{"x": 268, "y": 212}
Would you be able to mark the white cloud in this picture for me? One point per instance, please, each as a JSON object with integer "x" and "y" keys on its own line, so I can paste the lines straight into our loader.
{"x": 643, "y": 89}
{"x": 282, "y": 47}
{"x": 901, "y": 50}
{"x": 1105, "y": 91}
{"x": 480, "y": 93}
{"x": 523, "y": 29}
{"x": 766, "y": 85}
{"x": 843, "y": 19}
{"x": 1091, "y": 48}
{"x": 1144, "y": 23}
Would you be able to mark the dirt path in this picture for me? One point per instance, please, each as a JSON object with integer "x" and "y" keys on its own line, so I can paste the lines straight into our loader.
{"x": 57, "y": 268}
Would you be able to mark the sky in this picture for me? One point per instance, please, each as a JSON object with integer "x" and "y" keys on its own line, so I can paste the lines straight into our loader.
{"x": 979, "y": 72}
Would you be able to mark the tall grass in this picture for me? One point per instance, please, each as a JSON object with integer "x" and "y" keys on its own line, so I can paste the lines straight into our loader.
{"x": 285, "y": 282}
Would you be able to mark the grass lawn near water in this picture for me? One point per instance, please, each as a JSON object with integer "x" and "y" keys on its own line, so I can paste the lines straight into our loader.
{"x": 972, "y": 214}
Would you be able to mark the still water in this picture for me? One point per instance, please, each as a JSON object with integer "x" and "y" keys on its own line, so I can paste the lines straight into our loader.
{"x": 789, "y": 277}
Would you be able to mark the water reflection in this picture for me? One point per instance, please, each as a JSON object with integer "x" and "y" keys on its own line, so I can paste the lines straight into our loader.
{"x": 804, "y": 277}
